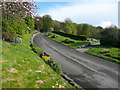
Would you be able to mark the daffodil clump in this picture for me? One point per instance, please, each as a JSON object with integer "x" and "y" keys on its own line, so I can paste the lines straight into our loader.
{"x": 46, "y": 58}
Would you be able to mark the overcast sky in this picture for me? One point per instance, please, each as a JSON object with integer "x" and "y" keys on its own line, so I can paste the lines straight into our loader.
{"x": 95, "y": 12}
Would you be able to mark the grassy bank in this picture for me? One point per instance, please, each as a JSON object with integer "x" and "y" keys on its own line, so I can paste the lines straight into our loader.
{"x": 113, "y": 55}
{"x": 22, "y": 68}
{"x": 60, "y": 39}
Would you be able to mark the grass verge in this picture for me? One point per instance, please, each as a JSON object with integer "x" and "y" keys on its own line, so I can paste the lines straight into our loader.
{"x": 22, "y": 68}
{"x": 60, "y": 39}
{"x": 114, "y": 53}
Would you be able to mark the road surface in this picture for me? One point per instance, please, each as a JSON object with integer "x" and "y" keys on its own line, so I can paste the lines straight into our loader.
{"x": 86, "y": 70}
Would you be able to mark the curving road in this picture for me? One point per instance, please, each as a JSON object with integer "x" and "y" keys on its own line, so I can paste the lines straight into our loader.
{"x": 86, "y": 70}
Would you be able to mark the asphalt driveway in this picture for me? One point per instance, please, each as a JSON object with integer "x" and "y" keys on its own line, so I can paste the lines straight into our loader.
{"x": 86, "y": 70}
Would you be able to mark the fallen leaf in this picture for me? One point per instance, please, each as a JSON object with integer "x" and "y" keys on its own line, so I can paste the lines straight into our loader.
{"x": 42, "y": 67}
{"x": 12, "y": 70}
{"x": 19, "y": 65}
{"x": 53, "y": 86}
{"x": 2, "y": 61}
{"x": 11, "y": 79}
{"x": 38, "y": 71}
{"x": 60, "y": 86}
{"x": 40, "y": 81}
{"x": 29, "y": 71}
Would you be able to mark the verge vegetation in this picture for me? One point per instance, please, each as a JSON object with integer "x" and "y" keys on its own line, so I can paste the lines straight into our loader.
{"x": 106, "y": 52}
{"x": 66, "y": 41}
{"x": 22, "y": 68}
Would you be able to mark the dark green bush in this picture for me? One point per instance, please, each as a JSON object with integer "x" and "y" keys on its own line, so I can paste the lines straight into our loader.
{"x": 54, "y": 66}
{"x": 36, "y": 49}
{"x": 110, "y": 36}
{"x": 48, "y": 34}
{"x": 68, "y": 41}
{"x": 54, "y": 36}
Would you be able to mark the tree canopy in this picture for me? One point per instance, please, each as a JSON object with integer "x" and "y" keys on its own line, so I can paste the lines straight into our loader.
{"x": 17, "y": 19}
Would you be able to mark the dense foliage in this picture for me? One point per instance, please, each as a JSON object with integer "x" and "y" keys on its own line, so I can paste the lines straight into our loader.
{"x": 17, "y": 19}
{"x": 38, "y": 23}
{"x": 110, "y": 36}
{"x": 70, "y": 27}
{"x": 46, "y": 24}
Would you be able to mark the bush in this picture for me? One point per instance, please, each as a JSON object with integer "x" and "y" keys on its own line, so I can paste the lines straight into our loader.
{"x": 68, "y": 41}
{"x": 110, "y": 36}
{"x": 54, "y": 36}
{"x": 54, "y": 66}
{"x": 36, "y": 49}
{"x": 48, "y": 34}
{"x": 105, "y": 51}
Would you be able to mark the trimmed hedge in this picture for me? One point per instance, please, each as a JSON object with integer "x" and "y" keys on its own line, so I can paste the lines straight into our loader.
{"x": 76, "y": 37}
{"x": 110, "y": 42}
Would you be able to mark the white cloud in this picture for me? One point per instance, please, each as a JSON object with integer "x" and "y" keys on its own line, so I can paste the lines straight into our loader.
{"x": 105, "y": 24}
{"x": 91, "y": 13}
{"x": 76, "y": 0}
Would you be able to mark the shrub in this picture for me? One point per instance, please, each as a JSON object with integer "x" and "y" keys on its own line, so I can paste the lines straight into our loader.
{"x": 110, "y": 36}
{"x": 54, "y": 66}
{"x": 48, "y": 34}
{"x": 105, "y": 51}
{"x": 54, "y": 36}
{"x": 36, "y": 49}
{"x": 68, "y": 41}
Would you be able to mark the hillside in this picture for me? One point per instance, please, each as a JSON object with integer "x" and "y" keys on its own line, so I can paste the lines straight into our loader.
{"x": 22, "y": 68}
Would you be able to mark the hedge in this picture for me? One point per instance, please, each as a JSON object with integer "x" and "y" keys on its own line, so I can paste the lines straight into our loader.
{"x": 76, "y": 37}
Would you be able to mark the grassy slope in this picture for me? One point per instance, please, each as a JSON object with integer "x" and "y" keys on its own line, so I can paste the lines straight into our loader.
{"x": 97, "y": 52}
{"x": 26, "y": 62}
{"x": 60, "y": 38}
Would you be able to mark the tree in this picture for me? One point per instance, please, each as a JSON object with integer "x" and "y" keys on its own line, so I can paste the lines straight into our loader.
{"x": 70, "y": 27}
{"x": 56, "y": 25}
{"x": 85, "y": 30}
{"x": 15, "y": 18}
{"x": 20, "y": 9}
{"x": 110, "y": 36}
{"x": 47, "y": 23}
{"x": 38, "y": 23}
{"x": 67, "y": 29}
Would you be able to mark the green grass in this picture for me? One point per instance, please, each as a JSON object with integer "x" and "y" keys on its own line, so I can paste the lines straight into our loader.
{"x": 60, "y": 38}
{"x": 114, "y": 52}
{"x": 21, "y": 58}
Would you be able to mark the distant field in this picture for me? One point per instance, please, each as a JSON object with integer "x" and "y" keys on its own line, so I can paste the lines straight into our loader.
{"x": 60, "y": 38}
{"x": 114, "y": 54}
{"x": 22, "y": 68}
